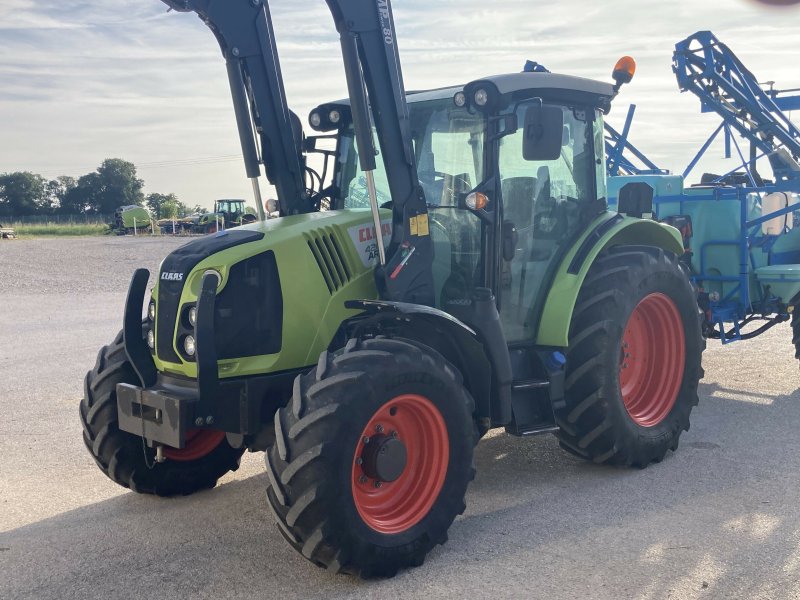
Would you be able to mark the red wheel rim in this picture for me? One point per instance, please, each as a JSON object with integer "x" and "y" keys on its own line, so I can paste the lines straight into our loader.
{"x": 199, "y": 443}
{"x": 652, "y": 360}
{"x": 395, "y": 506}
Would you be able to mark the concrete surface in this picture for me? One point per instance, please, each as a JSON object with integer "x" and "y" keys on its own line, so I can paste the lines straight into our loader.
{"x": 717, "y": 519}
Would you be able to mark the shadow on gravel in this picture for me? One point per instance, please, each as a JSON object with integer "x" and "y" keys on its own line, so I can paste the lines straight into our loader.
{"x": 535, "y": 513}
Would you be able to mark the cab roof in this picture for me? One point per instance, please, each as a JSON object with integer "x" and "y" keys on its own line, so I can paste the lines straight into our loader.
{"x": 510, "y": 83}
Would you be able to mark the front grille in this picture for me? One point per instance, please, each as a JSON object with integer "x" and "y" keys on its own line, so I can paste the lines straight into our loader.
{"x": 175, "y": 271}
{"x": 248, "y": 319}
{"x": 331, "y": 261}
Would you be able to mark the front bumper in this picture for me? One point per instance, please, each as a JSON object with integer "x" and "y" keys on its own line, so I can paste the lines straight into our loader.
{"x": 164, "y": 407}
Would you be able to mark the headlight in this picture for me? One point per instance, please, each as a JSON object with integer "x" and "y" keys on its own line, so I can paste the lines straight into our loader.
{"x": 314, "y": 119}
{"x": 193, "y": 316}
{"x": 460, "y": 99}
{"x": 151, "y": 339}
{"x": 481, "y": 97}
{"x": 189, "y": 345}
{"x": 151, "y": 311}
{"x": 334, "y": 116}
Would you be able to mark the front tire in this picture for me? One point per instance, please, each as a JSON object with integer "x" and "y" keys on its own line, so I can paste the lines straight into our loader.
{"x": 372, "y": 458}
{"x": 206, "y": 457}
{"x": 633, "y": 361}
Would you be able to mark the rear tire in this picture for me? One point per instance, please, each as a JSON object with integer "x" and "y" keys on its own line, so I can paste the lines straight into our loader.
{"x": 121, "y": 455}
{"x": 634, "y": 359}
{"x": 325, "y": 504}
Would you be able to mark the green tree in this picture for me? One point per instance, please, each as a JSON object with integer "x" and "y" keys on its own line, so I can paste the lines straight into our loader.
{"x": 58, "y": 189}
{"x": 23, "y": 193}
{"x": 163, "y": 206}
{"x": 119, "y": 185}
{"x": 85, "y": 196}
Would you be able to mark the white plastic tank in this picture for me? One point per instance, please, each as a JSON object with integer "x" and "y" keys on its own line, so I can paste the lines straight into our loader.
{"x": 771, "y": 203}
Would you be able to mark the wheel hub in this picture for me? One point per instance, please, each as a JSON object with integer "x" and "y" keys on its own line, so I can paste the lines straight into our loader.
{"x": 651, "y": 360}
{"x": 384, "y": 458}
{"x": 400, "y": 463}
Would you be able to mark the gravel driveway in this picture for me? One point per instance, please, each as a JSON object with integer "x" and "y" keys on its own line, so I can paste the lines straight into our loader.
{"x": 718, "y": 519}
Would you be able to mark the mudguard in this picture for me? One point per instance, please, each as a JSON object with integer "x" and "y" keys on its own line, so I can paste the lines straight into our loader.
{"x": 456, "y": 341}
{"x": 610, "y": 229}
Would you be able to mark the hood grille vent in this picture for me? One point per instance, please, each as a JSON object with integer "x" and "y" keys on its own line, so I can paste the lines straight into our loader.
{"x": 330, "y": 259}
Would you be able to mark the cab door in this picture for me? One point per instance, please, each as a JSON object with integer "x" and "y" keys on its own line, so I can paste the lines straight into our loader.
{"x": 547, "y": 202}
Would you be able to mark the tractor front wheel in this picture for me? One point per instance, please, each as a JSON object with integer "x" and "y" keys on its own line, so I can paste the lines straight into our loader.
{"x": 372, "y": 458}
{"x": 122, "y": 456}
{"x": 633, "y": 361}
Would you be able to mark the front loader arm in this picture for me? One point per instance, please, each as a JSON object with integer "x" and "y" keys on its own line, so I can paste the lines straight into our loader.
{"x": 375, "y": 85}
{"x": 372, "y": 64}
{"x": 243, "y": 29}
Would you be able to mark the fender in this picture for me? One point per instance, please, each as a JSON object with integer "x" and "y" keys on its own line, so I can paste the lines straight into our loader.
{"x": 456, "y": 341}
{"x": 610, "y": 229}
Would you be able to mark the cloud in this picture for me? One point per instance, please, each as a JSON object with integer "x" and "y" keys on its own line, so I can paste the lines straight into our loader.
{"x": 88, "y": 79}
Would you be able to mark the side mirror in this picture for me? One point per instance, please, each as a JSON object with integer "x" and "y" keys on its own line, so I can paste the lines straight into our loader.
{"x": 543, "y": 133}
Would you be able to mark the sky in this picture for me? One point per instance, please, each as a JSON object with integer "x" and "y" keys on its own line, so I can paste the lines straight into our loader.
{"x": 85, "y": 80}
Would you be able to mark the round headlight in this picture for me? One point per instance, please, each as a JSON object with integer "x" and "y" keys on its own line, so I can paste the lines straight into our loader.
{"x": 481, "y": 97}
{"x": 314, "y": 119}
{"x": 193, "y": 316}
{"x": 334, "y": 116}
{"x": 151, "y": 339}
{"x": 460, "y": 99}
{"x": 151, "y": 311}
{"x": 189, "y": 345}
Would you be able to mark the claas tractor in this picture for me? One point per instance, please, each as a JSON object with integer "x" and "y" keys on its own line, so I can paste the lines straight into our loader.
{"x": 465, "y": 275}
{"x": 227, "y": 213}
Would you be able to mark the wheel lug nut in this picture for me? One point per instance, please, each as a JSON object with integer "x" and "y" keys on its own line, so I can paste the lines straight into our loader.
{"x": 366, "y": 439}
{"x": 394, "y": 434}
{"x": 377, "y": 484}
{"x": 379, "y": 428}
{"x": 359, "y": 460}
{"x": 362, "y": 480}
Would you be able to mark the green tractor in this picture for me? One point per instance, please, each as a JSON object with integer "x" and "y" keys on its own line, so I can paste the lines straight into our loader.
{"x": 472, "y": 279}
{"x": 227, "y": 213}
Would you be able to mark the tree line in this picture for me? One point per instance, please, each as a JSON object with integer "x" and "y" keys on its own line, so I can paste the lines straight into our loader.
{"x": 112, "y": 185}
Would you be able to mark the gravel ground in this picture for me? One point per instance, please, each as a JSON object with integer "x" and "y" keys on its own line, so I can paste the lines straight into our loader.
{"x": 717, "y": 519}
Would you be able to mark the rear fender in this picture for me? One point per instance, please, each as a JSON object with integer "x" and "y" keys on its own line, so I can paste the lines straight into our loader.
{"x": 609, "y": 230}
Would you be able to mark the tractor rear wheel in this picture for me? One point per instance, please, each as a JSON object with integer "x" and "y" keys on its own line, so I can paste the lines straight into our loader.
{"x": 633, "y": 361}
{"x": 372, "y": 458}
{"x": 206, "y": 457}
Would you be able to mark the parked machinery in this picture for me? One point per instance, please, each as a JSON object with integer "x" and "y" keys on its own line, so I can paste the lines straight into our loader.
{"x": 740, "y": 244}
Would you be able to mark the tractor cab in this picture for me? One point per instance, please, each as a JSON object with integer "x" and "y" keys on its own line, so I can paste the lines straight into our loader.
{"x": 512, "y": 171}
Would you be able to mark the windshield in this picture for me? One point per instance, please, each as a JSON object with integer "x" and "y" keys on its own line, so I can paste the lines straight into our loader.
{"x": 448, "y": 147}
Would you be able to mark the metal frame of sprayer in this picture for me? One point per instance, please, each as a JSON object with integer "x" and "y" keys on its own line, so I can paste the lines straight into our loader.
{"x": 735, "y": 212}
